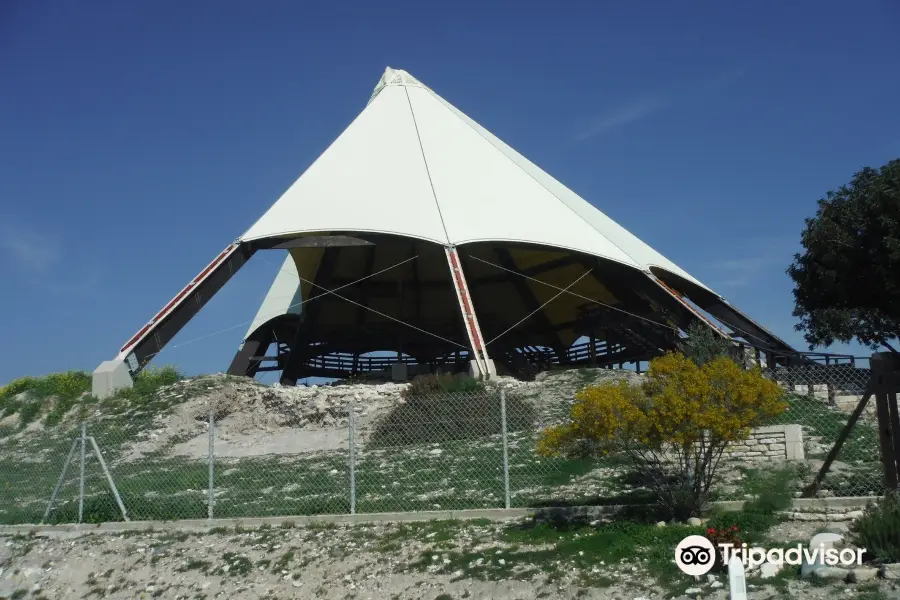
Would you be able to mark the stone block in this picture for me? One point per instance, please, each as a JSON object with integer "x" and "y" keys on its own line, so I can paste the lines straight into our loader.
{"x": 861, "y": 574}
{"x": 793, "y": 440}
{"x": 110, "y": 376}
{"x": 830, "y": 573}
{"x": 891, "y": 571}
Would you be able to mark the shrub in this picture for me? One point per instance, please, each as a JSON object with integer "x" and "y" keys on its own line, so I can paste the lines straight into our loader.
{"x": 878, "y": 530}
{"x": 8, "y": 393}
{"x": 673, "y": 427}
{"x": 422, "y": 385}
{"x": 703, "y": 345}
{"x": 441, "y": 417}
{"x": 64, "y": 389}
{"x": 148, "y": 382}
{"x": 729, "y": 534}
{"x": 66, "y": 386}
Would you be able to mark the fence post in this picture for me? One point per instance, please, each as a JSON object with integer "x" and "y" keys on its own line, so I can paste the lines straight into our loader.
{"x": 81, "y": 476}
{"x": 212, "y": 460}
{"x": 351, "y": 416}
{"x": 810, "y": 393}
{"x": 737, "y": 586}
{"x": 884, "y": 370}
{"x": 505, "y": 448}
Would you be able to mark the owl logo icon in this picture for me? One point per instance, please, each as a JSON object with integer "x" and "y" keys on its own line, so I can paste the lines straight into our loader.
{"x": 695, "y": 555}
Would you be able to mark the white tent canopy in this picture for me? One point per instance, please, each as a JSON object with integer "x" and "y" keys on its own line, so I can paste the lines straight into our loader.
{"x": 413, "y": 167}
{"x": 411, "y": 164}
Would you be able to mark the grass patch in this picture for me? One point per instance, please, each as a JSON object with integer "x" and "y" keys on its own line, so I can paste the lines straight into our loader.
{"x": 235, "y": 565}
{"x": 148, "y": 382}
{"x": 870, "y": 591}
{"x": 195, "y": 564}
{"x": 827, "y": 423}
{"x": 593, "y": 552}
{"x": 772, "y": 492}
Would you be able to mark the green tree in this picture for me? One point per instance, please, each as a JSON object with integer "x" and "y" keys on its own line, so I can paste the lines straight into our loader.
{"x": 702, "y": 344}
{"x": 847, "y": 279}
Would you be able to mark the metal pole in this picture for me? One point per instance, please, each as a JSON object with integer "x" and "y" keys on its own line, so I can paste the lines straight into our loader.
{"x": 61, "y": 477}
{"x": 352, "y": 458}
{"x": 109, "y": 479}
{"x": 81, "y": 477}
{"x": 505, "y": 448}
{"x": 212, "y": 460}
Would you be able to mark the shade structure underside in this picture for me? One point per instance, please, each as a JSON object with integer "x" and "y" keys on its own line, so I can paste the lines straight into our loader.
{"x": 395, "y": 295}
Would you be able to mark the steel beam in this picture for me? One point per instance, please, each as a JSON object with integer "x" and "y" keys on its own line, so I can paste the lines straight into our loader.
{"x": 470, "y": 319}
{"x": 152, "y": 337}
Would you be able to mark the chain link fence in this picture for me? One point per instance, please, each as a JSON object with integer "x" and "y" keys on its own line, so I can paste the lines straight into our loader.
{"x": 229, "y": 447}
{"x": 821, "y": 400}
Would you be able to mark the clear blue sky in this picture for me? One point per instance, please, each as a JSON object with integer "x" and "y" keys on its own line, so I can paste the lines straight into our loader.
{"x": 137, "y": 139}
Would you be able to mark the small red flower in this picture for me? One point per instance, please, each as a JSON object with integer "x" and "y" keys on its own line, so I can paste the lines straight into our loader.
{"x": 710, "y": 531}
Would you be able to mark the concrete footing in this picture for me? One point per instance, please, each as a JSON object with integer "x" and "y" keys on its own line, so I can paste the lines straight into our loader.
{"x": 475, "y": 369}
{"x": 110, "y": 376}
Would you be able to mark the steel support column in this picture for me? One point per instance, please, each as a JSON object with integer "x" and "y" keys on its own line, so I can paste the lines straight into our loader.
{"x": 470, "y": 319}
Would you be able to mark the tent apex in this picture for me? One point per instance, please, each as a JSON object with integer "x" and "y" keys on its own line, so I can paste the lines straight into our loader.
{"x": 395, "y": 77}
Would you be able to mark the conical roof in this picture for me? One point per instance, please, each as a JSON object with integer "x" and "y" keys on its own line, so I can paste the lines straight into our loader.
{"x": 412, "y": 164}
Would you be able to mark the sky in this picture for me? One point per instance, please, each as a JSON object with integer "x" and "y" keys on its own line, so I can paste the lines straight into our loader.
{"x": 138, "y": 139}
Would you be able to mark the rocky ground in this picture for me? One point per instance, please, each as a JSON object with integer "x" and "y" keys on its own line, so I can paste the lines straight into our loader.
{"x": 427, "y": 561}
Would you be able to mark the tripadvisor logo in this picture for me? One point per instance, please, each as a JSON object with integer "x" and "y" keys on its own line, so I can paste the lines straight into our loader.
{"x": 696, "y": 555}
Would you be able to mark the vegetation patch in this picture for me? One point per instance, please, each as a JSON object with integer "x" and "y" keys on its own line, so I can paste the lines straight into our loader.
{"x": 424, "y": 385}
{"x": 673, "y": 427}
{"x": 463, "y": 413}
{"x": 878, "y": 530}
{"x": 52, "y": 395}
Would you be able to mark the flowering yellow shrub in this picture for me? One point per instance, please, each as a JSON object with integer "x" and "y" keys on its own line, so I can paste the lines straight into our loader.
{"x": 676, "y": 423}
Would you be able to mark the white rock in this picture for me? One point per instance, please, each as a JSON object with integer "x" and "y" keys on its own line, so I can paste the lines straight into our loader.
{"x": 891, "y": 571}
{"x": 692, "y": 591}
{"x": 838, "y": 528}
{"x": 827, "y": 540}
{"x": 694, "y": 522}
{"x": 861, "y": 574}
{"x": 769, "y": 570}
{"x": 829, "y": 572}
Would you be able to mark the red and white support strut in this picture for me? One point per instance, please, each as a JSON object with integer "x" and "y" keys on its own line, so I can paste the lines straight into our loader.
{"x": 476, "y": 340}
{"x": 152, "y": 337}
